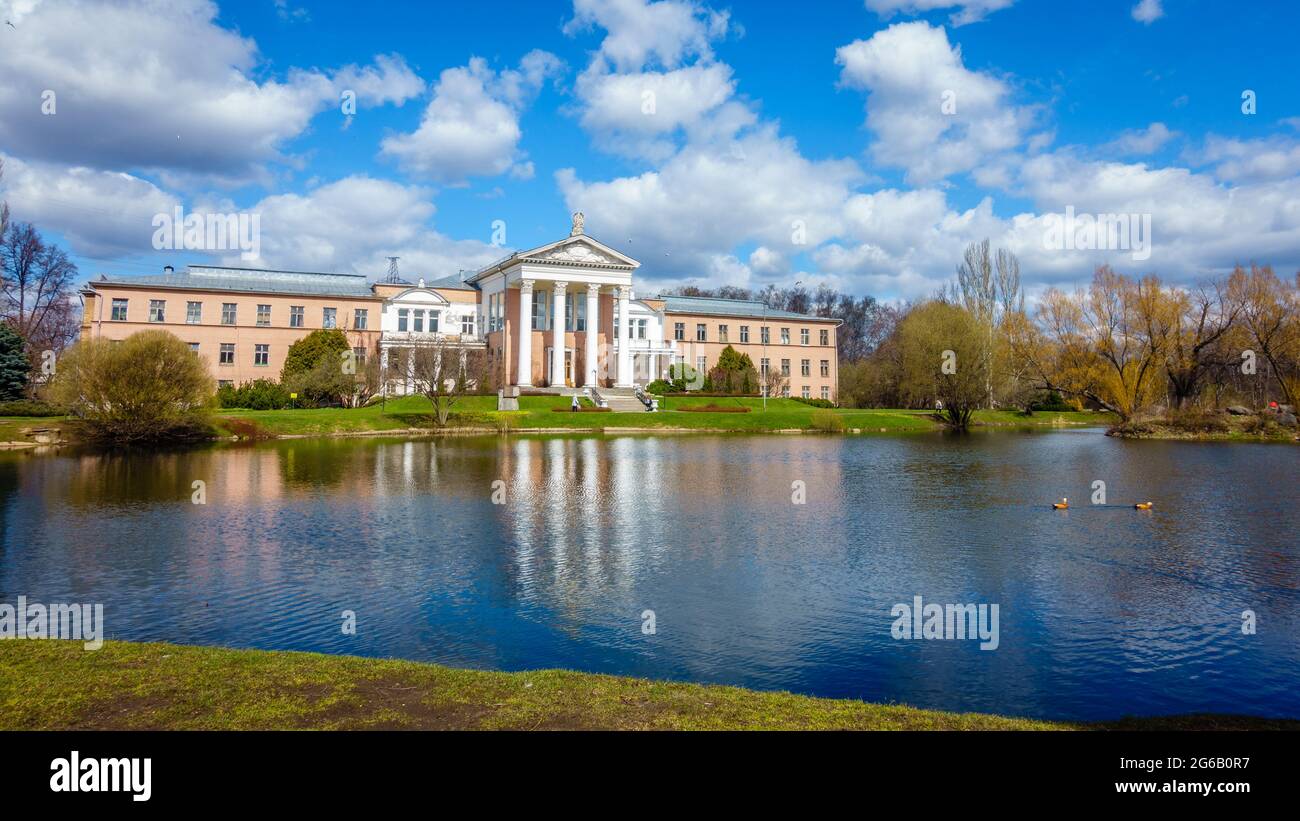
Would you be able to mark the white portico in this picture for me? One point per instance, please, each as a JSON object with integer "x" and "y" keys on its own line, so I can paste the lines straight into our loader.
{"x": 422, "y": 316}
{"x": 550, "y": 312}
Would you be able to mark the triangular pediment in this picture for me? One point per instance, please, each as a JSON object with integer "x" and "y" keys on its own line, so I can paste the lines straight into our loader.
{"x": 579, "y": 250}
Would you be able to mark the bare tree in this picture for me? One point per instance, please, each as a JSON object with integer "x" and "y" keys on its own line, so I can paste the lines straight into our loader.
{"x": 444, "y": 372}
{"x": 36, "y": 283}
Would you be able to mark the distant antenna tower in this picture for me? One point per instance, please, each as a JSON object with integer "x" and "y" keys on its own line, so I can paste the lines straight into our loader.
{"x": 392, "y": 270}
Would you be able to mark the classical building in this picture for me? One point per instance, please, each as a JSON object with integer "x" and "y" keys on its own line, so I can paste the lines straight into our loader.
{"x": 563, "y": 315}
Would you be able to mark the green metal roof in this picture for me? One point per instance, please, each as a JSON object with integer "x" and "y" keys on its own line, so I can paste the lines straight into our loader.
{"x": 731, "y": 307}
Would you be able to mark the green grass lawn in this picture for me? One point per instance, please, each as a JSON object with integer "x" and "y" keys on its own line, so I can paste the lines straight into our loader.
{"x": 56, "y": 685}
{"x": 539, "y": 412}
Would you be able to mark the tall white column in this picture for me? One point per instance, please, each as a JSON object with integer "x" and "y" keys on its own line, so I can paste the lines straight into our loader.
{"x": 525, "y": 364}
{"x": 624, "y": 349}
{"x": 593, "y": 327}
{"x": 557, "y": 336}
{"x": 383, "y": 367}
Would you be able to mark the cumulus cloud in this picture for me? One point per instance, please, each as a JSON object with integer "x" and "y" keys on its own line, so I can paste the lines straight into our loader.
{"x": 354, "y": 224}
{"x": 1141, "y": 141}
{"x": 966, "y": 11}
{"x": 102, "y": 214}
{"x": 930, "y": 115}
{"x": 153, "y": 85}
{"x": 1265, "y": 158}
{"x": 1148, "y": 11}
{"x": 471, "y": 126}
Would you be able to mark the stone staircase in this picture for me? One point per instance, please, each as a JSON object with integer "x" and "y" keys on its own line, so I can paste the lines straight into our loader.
{"x": 621, "y": 400}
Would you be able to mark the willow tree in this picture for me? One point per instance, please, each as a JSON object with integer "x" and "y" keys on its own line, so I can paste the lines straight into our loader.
{"x": 944, "y": 357}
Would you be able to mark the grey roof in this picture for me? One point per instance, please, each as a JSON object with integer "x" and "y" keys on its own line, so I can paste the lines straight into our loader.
{"x": 254, "y": 280}
{"x": 453, "y": 281}
{"x": 715, "y": 306}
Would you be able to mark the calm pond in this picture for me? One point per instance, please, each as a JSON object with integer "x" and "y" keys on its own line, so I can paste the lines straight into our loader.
{"x": 1103, "y": 610}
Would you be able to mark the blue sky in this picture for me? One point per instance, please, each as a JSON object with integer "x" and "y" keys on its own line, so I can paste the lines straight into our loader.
{"x": 782, "y": 144}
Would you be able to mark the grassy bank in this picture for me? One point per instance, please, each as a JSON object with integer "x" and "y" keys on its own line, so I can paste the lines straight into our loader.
{"x": 1207, "y": 427}
{"x": 538, "y": 412}
{"x": 58, "y": 685}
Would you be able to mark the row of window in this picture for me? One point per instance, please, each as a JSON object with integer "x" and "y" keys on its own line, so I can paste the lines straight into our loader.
{"x": 805, "y": 366}
{"x": 765, "y": 334}
{"x": 261, "y": 354}
{"x": 230, "y": 310}
{"x": 412, "y": 320}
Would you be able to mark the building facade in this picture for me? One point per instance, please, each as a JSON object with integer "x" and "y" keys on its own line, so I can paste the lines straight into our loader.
{"x": 564, "y": 315}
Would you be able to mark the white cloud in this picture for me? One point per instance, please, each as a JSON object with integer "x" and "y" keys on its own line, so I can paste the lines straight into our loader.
{"x": 1148, "y": 11}
{"x": 634, "y": 114}
{"x": 967, "y": 11}
{"x": 471, "y": 126}
{"x": 1266, "y": 158}
{"x": 354, "y": 224}
{"x": 146, "y": 84}
{"x": 100, "y": 213}
{"x": 930, "y": 114}
{"x": 640, "y": 33}
{"x": 1142, "y": 141}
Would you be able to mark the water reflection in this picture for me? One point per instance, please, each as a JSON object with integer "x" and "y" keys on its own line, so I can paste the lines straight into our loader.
{"x": 1105, "y": 610}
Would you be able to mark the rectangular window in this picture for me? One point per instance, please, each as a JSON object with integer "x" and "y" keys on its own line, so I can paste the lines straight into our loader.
{"x": 467, "y": 325}
{"x": 540, "y": 313}
{"x": 225, "y": 383}
{"x": 722, "y": 333}
{"x": 785, "y": 367}
{"x": 744, "y": 333}
{"x": 119, "y": 310}
{"x": 785, "y": 390}
{"x": 764, "y": 365}
{"x": 227, "y": 353}
{"x": 826, "y": 392}
{"x": 228, "y": 313}
{"x": 616, "y": 326}
{"x": 679, "y": 330}
{"x": 403, "y": 318}
{"x": 803, "y": 336}
{"x": 263, "y": 315}
{"x": 193, "y": 313}
{"x": 433, "y": 322}
{"x": 157, "y": 310}
{"x": 701, "y": 332}
{"x": 640, "y": 328}
{"x": 806, "y": 393}
{"x": 194, "y": 346}
{"x": 329, "y": 318}
{"x": 805, "y": 367}
{"x": 826, "y": 367}
{"x": 702, "y": 364}
{"x": 785, "y": 336}
{"x": 295, "y": 316}
{"x": 765, "y": 335}
{"x": 360, "y": 355}
{"x": 261, "y": 355}
{"x": 568, "y": 312}
{"x": 825, "y": 336}
{"x": 359, "y": 318}
{"x": 417, "y": 321}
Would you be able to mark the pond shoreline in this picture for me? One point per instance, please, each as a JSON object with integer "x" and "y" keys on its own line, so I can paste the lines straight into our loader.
{"x": 132, "y": 686}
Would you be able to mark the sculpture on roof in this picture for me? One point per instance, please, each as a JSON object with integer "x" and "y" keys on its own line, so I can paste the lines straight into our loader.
{"x": 578, "y": 220}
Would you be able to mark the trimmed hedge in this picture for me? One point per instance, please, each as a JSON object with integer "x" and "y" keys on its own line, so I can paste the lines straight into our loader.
{"x": 29, "y": 407}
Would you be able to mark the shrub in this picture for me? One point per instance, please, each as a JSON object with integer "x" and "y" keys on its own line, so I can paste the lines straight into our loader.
{"x": 1051, "y": 402}
{"x": 816, "y": 403}
{"x": 1196, "y": 422}
{"x": 260, "y": 394}
{"x": 827, "y": 421}
{"x": 29, "y": 407}
{"x": 149, "y": 386}
{"x": 659, "y": 387}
